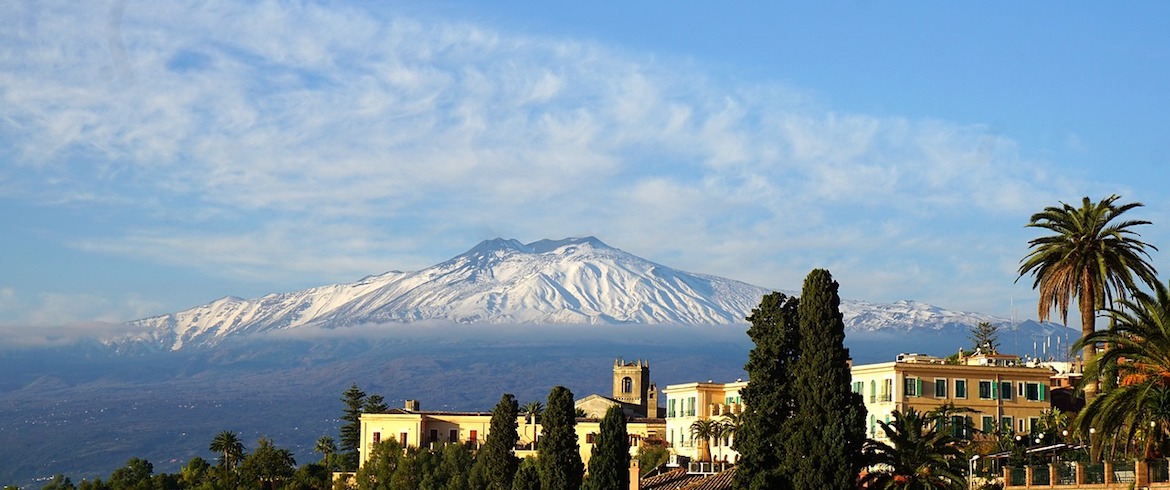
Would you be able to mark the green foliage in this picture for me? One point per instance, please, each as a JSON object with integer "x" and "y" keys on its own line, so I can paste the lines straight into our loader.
{"x": 829, "y": 418}
{"x": 1089, "y": 255}
{"x": 985, "y": 337}
{"x": 1137, "y": 409}
{"x": 651, "y": 456}
{"x": 351, "y": 427}
{"x": 59, "y": 482}
{"x": 375, "y": 474}
{"x": 559, "y": 459}
{"x": 496, "y": 461}
{"x": 375, "y": 404}
{"x": 228, "y": 445}
{"x": 268, "y": 464}
{"x": 134, "y": 476}
{"x": 769, "y": 402}
{"x": 609, "y": 463}
{"x": 195, "y": 473}
{"x": 527, "y": 476}
{"x": 918, "y": 456}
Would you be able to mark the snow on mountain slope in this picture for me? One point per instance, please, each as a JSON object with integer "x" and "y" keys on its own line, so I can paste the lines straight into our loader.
{"x": 570, "y": 281}
{"x": 575, "y": 280}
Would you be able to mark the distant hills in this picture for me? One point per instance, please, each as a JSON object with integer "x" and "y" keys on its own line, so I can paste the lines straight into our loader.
{"x": 547, "y": 282}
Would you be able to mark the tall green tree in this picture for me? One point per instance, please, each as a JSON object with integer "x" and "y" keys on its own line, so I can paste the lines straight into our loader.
{"x": 496, "y": 461}
{"x": 918, "y": 456}
{"x": 267, "y": 464}
{"x": 351, "y": 426}
{"x": 375, "y": 404}
{"x": 829, "y": 420}
{"x": 1090, "y": 255}
{"x": 228, "y": 445}
{"x": 327, "y": 447}
{"x": 1140, "y": 356}
{"x": 609, "y": 463}
{"x": 768, "y": 400}
{"x": 559, "y": 459}
{"x": 985, "y": 337}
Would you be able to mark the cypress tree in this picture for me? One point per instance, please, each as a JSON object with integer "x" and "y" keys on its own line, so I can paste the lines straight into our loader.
{"x": 609, "y": 464}
{"x": 559, "y": 458}
{"x": 496, "y": 463}
{"x": 351, "y": 428}
{"x": 768, "y": 398}
{"x": 828, "y": 426}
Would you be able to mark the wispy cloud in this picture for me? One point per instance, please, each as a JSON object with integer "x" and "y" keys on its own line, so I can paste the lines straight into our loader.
{"x": 263, "y": 138}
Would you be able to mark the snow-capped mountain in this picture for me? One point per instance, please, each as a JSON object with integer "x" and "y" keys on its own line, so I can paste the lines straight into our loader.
{"x": 570, "y": 281}
{"x": 575, "y": 280}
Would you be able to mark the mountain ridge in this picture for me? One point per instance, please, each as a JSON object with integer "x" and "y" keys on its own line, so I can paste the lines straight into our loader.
{"x": 577, "y": 280}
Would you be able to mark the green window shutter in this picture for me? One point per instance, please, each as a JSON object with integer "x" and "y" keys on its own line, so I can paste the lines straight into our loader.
{"x": 919, "y": 390}
{"x": 1042, "y": 391}
{"x": 994, "y": 390}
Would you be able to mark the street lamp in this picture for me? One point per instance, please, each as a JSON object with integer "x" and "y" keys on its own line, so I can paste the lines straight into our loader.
{"x": 971, "y": 472}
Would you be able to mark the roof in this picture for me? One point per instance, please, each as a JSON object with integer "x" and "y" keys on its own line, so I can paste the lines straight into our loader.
{"x": 679, "y": 479}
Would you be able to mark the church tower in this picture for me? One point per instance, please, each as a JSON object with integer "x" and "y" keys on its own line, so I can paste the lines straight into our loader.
{"x": 631, "y": 384}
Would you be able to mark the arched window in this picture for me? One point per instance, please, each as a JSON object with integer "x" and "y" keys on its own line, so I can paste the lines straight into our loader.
{"x": 627, "y": 385}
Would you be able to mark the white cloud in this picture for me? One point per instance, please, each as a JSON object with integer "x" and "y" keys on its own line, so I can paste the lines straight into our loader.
{"x": 271, "y": 138}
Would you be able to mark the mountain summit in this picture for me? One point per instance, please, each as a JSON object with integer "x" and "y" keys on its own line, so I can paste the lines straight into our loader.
{"x": 574, "y": 280}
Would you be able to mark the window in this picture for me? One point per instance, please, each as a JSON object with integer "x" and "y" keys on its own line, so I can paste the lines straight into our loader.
{"x": 1022, "y": 426}
{"x": 1005, "y": 423}
{"x": 858, "y": 387}
{"x": 1034, "y": 391}
{"x": 960, "y": 388}
{"x": 872, "y": 391}
{"x": 670, "y": 405}
{"x": 589, "y": 438}
{"x": 940, "y": 388}
{"x": 454, "y": 436}
{"x": 377, "y": 437}
{"x": 434, "y": 436}
{"x": 473, "y": 437}
{"x": 988, "y": 424}
{"x": 887, "y": 390}
{"x": 627, "y": 385}
{"x": 912, "y": 387}
{"x": 402, "y": 439}
{"x": 986, "y": 390}
{"x": 1033, "y": 424}
{"x": 1005, "y": 390}
{"x": 671, "y": 437}
{"x": 691, "y": 407}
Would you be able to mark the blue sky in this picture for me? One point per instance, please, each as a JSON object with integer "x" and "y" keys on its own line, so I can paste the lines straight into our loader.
{"x": 157, "y": 155}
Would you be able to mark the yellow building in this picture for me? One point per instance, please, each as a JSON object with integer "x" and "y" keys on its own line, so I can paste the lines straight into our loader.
{"x": 1002, "y": 390}
{"x": 632, "y": 391}
{"x": 688, "y": 403}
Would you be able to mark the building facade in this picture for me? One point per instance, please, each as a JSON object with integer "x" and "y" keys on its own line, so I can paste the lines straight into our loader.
{"x": 1002, "y": 392}
{"x": 691, "y": 402}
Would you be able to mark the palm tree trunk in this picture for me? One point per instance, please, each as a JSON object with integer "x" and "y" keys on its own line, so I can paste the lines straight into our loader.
{"x": 1088, "y": 326}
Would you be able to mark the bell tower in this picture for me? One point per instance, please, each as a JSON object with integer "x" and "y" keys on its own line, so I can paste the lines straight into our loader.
{"x": 631, "y": 383}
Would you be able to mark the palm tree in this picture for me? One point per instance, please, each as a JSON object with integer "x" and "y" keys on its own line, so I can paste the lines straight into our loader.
{"x": 704, "y": 430}
{"x": 731, "y": 423}
{"x": 228, "y": 444}
{"x": 721, "y": 431}
{"x": 1140, "y": 356}
{"x": 532, "y": 412}
{"x": 919, "y": 456}
{"x": 327, "y": 447}
{"x": 1089, "y": 256}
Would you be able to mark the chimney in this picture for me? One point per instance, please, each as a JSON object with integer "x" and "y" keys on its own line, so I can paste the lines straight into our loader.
{"x": 411, "y": 405}
{"x": 635, "y": 475}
